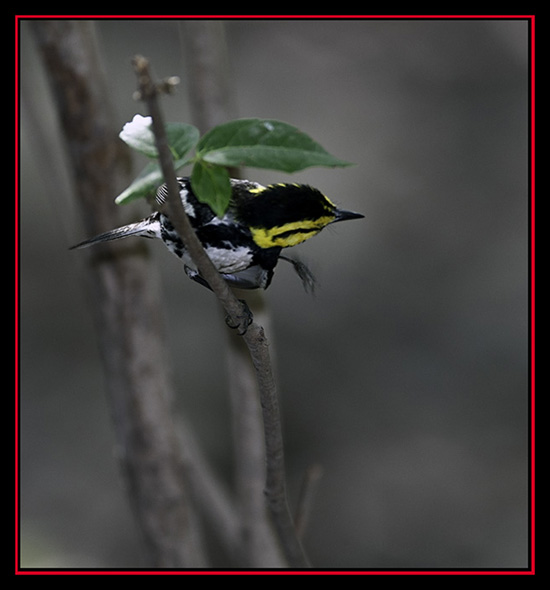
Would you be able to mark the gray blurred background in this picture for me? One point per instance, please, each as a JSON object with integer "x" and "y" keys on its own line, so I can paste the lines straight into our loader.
{"x": 405, "y": 377}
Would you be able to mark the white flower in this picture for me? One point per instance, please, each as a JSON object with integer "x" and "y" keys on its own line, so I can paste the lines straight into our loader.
{"x": 137, "y": 124}
{"x": 139, "y": 135}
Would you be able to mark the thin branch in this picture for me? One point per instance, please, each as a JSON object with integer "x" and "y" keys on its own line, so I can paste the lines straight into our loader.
{"x": 209, "y": 495}
{"x": 275, "y": 488}
{"x": 254, "y": 336}
{"x": 305, "y": 499}
{"x": 212, "y": 102}
{"x": 148, "y": 93}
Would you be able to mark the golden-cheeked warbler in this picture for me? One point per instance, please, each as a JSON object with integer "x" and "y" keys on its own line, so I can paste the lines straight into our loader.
{"x": 246, "y": 243}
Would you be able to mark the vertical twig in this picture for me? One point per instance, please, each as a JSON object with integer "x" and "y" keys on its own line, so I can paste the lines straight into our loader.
{"x": 254, "y": 337}
{"x": 212, "y": 103}
{"x": 148, "y": 92}
{"x": 305, "y": 499}
{"x": 209, "y": 72}
{"x": 275, "y": 487}
{"x": 126, "y": 310}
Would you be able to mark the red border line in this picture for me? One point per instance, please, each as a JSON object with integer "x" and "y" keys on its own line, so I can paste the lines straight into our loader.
{"x": 530, "y": 570}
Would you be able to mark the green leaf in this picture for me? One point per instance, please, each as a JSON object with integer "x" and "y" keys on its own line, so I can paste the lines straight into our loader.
{"x": 211, "y": 186}
{"x": 181, "y": 138}
{"x": 263, "y": 143}
{"x": 149, "y": 178}
{"x": 147, "y": 182}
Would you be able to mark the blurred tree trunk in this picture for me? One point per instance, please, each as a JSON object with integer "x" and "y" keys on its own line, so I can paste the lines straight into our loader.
{"x": 122, "y": 292}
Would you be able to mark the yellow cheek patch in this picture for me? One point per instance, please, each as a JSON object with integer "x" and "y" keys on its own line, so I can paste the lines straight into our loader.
{"x": 289, "y": 234}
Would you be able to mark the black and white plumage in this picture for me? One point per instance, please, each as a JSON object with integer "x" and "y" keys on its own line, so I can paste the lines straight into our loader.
{"x": 246, "y": 243}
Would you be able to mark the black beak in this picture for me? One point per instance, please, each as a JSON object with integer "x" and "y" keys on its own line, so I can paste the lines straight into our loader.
{"x": 342, "y": 215}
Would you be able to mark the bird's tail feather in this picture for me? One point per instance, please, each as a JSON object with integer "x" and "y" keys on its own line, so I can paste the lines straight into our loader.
{"x": 147, "y": 228}
{"x": 303, "y": 271}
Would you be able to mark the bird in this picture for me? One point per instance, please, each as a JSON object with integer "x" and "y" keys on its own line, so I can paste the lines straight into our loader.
{"x": 245, "y": 244}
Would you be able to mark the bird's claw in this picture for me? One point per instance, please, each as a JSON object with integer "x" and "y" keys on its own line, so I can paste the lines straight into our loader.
{"x": 243, "y": 320}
